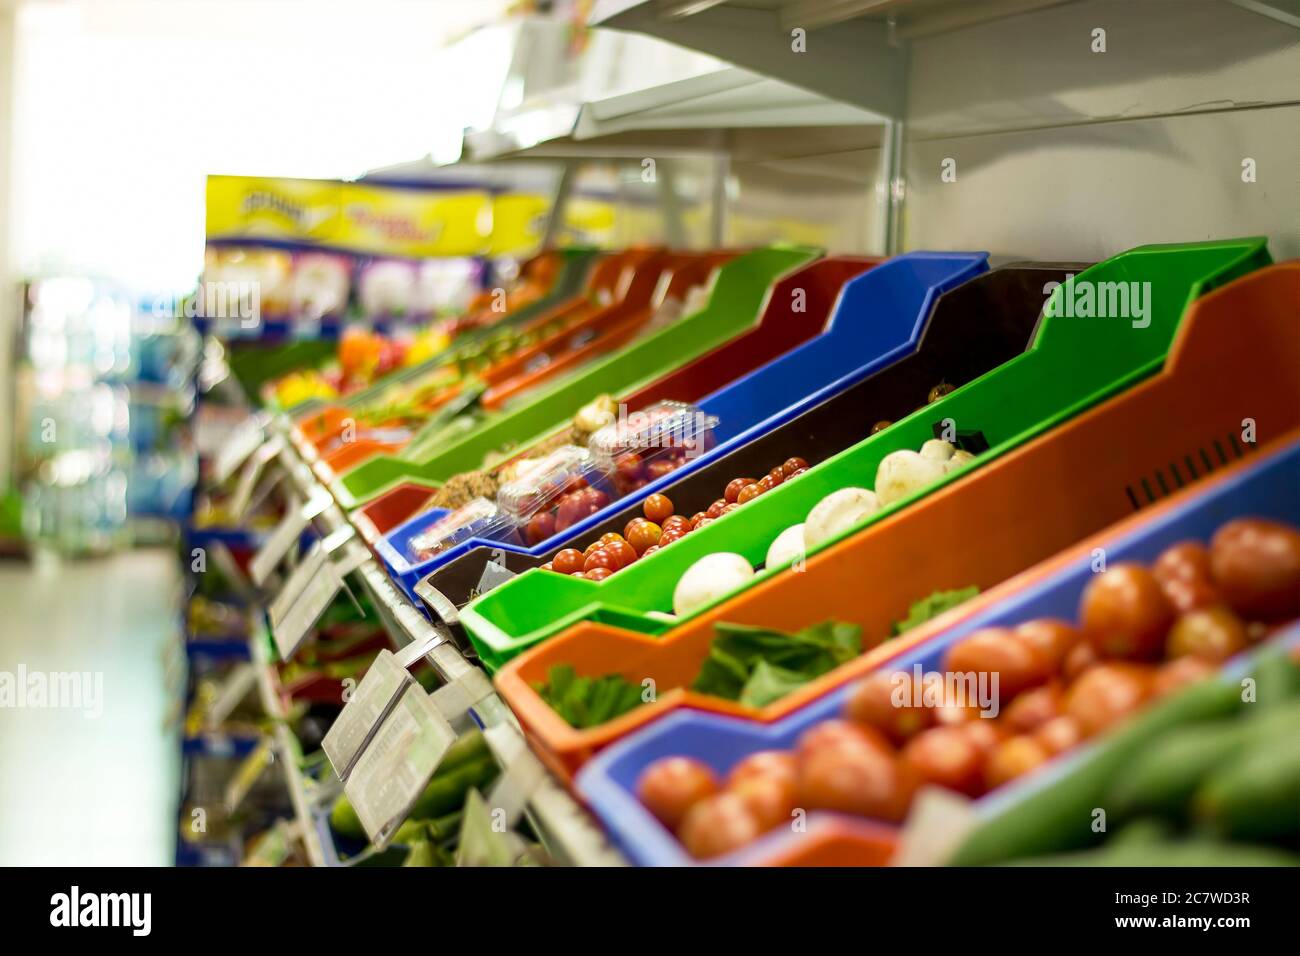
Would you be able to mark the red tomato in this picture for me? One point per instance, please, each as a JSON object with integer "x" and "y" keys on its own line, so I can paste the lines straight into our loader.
{"x": 1034, "y": 708}
{"x": 548, "y": 566}
{"x": 1051, "y": 636}
{"x": 601, "y": 558}
{"x": 630, "y": 467}
{"x": 794, "y": 464}
{"x": 1256, "y": 564}
{"x": 1176, "y": 674}
{"x": 995, "y": 650}
{"x": 622, "y": 552}
{"x": 594, "y": 546}
{"x": 571, "y": 510}
{"x": 730, "y": 508}
{"x": 1078, "y": 659}
{"x": 840, "y": 733}
{"x": 627, "y": 528}
{"x": 676, "y": 523}
{"x": 715, "y": 509}
{"x": 657, "y": 469}
{"x": 595, "y": 499}
{"x": 540, "y": 527}
{"x": 772, "y": 800}
{"x": 1014, "y": 758}
{"x": 765, "y": 763}
{"x": 766, "y": 483}
{"x": 650, "y": 550}
{"x": 598, "y": 574}
{"x": 1106, "y": 694}
{"x": 569, "y": 560}
{"x": 891, "y": 703}
{"x": 1058, "y": 735}
{"x": 644, "y": 536}
{"x": 718, "y": 825}
{"x": 668, "y": 537}
{"x": 671, "y": 786}
{"x": 749, "y": 493}
{"x": 1125, "y": 614}
{"x": 609, "y": 537}
{"x": 861, "y": 780}
{"x": 658, "y": 508}
{"x": 697, "y": 518}
{"x": 796, "y": 473}
{"x": 985, "y": 733}
{"x": 734, "y": 486}
{"x": 947, "y": 757}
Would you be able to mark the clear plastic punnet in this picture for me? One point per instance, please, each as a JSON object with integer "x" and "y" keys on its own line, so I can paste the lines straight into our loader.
{"x": 642, "y": 446}
{"x": 558, "y": 491}
{"x": 474, "y": 518}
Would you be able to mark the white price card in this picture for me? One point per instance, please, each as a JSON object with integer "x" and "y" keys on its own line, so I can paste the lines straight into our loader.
{"x": 317, "y": 594}
{"x": 241, "y": 443}
{"x": 251, "y": 472}
{"x": 437, "y": 602}
{"x": 290, "y": 528}
{"x": 372, "y": 700}
{"x": 307, "y": 569}
{"x": 394, "y": 769}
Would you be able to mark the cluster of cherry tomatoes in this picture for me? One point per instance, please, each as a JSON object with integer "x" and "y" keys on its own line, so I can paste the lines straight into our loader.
{"x": 659, "y": 527}
{"x": 1142, "y": 634}
{"x": 578, "y": 500}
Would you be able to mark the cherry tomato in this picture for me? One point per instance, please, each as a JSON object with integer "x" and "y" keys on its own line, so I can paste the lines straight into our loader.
{"x": 601, "y": 558}
{"x": 1034, "y": 708}
{"x": 861, "y": 780}
{"x": 796, "y": 473}
{"x": 1256, "y": 564}
{"x": 668, "y": 537}
{"x": 658, "y": 508}
{"x": 1176, "y": 674}
{"x": 715, "y": 509}
{"x": 765, "y": 763}
{"x": 1052, "y": 637}
{"x": 939, "y": 391}
{"x": 630, "y": 467}
{"x": 697, "y": 518}
{"x": 627, "y": 528}
{"x": 622, "y": 552}
{"x": 995, "y": 650}
{"x": 766, "y": 483}
{"x": 985, "y": 733}
{"x": 946, "y": 757}
{"x": 1183, "y": 571}
{"x": 1189, "y": 594}
{"x": 594, "y": 546}
{"x": 579, "y": 574}
{"x": 749, "y": 493}
{"x": 890, "y": 702}
{"x": 1211, "y": 633}
{"x": 598, "y": 574}
{"x": 840, "y": 733}
{"x": 540, "y": 527}
{"x": 1078, "y": 659}
{"x": 733, "y": 488}
{"x": 570, "y": 511}
{"x": 671, "y": 786}
{"x": 792, "y": 465}
{"x": 777, "y": 476}
{"x": 650, "y": 550}
{"x": 1106, "y": 694}
{"x": 718, "y": 825}
{"x": 677, "y": 523}
{"x": 643, "y": 536}
{"x": 730, "y": 508}
{"x": 569, "y": 560}
{"x": 657, "y": 469}
{"x": 1125, "y": 614}
{"x": 771, "y": 799}
{"x": 594, "y": 498}
{"x": 880, "y": 426}
{"x": 1058, "y": 735}
{"x": 1014, "y": 758}
{"x": 608, "y": 538}
{"x": 548, "y": 566}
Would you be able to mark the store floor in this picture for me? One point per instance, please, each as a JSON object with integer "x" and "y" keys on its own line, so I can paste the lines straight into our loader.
{"x": 93, "y": 781}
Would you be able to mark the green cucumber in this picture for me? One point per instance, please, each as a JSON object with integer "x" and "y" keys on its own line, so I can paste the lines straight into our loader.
{"x": 446, "y": 791}
{"x": 1182, "y": 853}
{"x": 1256, "y": 796}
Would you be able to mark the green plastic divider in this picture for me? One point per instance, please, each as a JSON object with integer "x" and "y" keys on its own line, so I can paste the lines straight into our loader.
{"x": 254, "y": 363}
{"x": 1074, "y": 363}
{"x": 735, "y": 304}
{"x": 569, "y": 282}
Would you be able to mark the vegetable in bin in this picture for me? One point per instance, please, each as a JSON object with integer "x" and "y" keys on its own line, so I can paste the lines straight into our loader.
{"x": 1142, "y": 635}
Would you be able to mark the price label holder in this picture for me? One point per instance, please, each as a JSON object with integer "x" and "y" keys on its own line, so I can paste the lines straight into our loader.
{"x": 237, "y": 685}
{"x": 286, "y": 533}
{"x": 241, "y": 443}
{"x": 486, "y": 837}
{"x": 521, "y": 774}
{"x": 250, "y": 770}
{"x": 936, "y": 827}
{"x": 251, "y": 472}
{"x": 307, "y": 569}
{"x": 495, "y": 573}
{"x": 394, "y": 768}
{"x": 373, "y": 699}
{"x": 317, "y": 594}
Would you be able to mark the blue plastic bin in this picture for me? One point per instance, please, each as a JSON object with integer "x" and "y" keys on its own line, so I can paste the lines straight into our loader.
{"x": 880, "y": 317}
{"x": 1268, "y": 489}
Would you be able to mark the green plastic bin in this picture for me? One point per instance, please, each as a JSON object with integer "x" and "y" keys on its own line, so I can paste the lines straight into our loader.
{"x": 1074, "y": 363}
{"x": 735, "y": 304}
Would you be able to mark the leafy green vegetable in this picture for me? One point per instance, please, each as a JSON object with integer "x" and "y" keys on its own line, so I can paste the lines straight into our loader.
{"x": 932, "y": 606}
{"x": 756, "y": 665}
{"x": 588, "y": 701}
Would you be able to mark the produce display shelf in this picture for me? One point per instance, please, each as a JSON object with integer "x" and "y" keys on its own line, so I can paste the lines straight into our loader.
{"x": 1031, "y": 815}
{"x": 1105, "y": 463}
{"x": 1071, "y": 366}
{"x": 872, "y": 319}
{"x": 566, "y": 829}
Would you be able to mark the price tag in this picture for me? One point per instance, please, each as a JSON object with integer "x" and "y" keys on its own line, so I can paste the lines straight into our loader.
{"x": 936, "y": 827}
{"x": 372, "y": 700}
{"x": 307, "y": 569}
{"x": 288, "y": 531}
{"x": 250, "y": 770}
{"x": 495, "y": 573}
{"x": 317, "y": 594}
{"x": 251, "y": 472}
{"x": 241, "y": 443}
{"x": 394, "y": 768}
{"x": 234, "y": 688}
{"x": 438, "y": 602}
